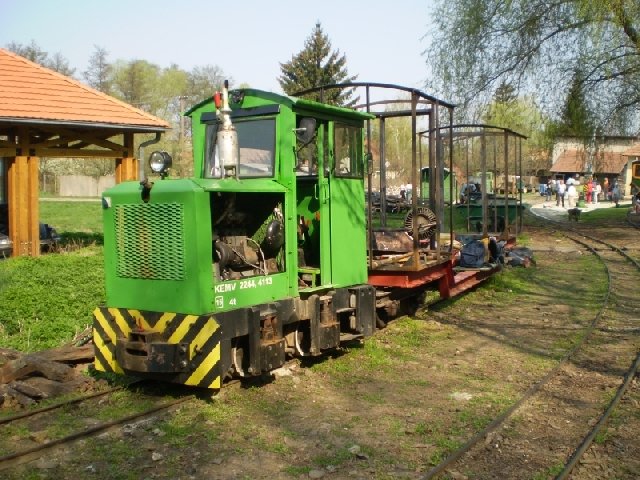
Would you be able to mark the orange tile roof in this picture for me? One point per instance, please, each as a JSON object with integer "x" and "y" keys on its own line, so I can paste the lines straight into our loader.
{"x": 610, "y": 162}
{"x": 569, "y": 161}
{"x": 32, "y": 93}
{"x": 573, "y": 161}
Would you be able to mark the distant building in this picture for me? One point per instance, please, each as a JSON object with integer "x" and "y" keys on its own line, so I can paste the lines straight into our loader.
{"x": 600, "y": 158}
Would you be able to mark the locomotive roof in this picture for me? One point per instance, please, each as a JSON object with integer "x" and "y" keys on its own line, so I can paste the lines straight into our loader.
{"x": 292, "y": 102}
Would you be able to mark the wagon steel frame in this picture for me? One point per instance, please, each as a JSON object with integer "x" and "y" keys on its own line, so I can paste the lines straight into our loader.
{"x": 424, "y": 264}
{"x": 470, "y": 131}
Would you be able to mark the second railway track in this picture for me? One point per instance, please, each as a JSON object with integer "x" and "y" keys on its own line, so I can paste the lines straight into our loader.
{"x": 573, "y": 401}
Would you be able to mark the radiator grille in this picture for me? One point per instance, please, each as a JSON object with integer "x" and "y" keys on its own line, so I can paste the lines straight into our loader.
{"x": 149, "y": 241}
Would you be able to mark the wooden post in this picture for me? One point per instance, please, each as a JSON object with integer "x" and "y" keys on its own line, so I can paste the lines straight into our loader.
{"x": 127, "y": 167}
{"x": 33, "y": 207}
{"x": 11, "y": 164}
{"x": 24, "y": 223}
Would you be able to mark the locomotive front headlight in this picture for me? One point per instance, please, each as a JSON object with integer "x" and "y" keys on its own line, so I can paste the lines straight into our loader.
{"x": 160, "y": 162}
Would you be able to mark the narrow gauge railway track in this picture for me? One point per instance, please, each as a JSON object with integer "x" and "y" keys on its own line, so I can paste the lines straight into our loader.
{"x": 31, "y": 453}
{"x": 609, "y": 327}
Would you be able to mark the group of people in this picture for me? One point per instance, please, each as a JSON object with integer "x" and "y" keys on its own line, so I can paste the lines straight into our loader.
{"x": 570, "y": 190}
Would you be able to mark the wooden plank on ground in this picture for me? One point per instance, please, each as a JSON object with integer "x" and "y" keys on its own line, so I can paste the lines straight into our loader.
{"x": 34, "y": 365}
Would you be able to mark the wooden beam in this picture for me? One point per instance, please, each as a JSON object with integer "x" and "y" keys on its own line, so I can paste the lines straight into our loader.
{"x": 22, "y": 197}
{"x": 127, "y": 168}
{"x": 33, "y": 207}
{"x": 10, "y": 164}
{"x": 62, "y": 142}
{"x": 78, "y": 153}
{"x": 21, "y": 246}
{"x": 19, "y": 218}
{"x": 8, "y": 152}
{"x": 88, "y": 138}
{"x": 62, "y": 152}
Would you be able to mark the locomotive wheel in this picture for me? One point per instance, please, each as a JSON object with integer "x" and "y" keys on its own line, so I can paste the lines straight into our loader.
{"x": 426, "y": 222}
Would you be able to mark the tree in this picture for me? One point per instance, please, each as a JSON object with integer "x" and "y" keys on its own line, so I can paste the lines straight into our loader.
{"x": 98, "y": 72}
{"x": 203, "y": 82}
{"x": 398, "y": 133}
{"x": 317, "y": 65}
{"x": 507, "y": 110}
{"x": 60, "y": 64}
{"x": 134, "y": 82}
{"x": 505, "y": 94}
{"x": 576, "y": 118}
{"x": 33, "y": 52}
{"x": 522, "y": 115}
{"x": 538, "y": 46}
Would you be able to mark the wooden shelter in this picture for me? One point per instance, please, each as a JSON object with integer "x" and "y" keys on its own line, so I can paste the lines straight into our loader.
{"x": 46, "y": 114}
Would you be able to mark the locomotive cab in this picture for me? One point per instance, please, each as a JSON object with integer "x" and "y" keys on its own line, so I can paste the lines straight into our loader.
{"x": 260, "y": 256}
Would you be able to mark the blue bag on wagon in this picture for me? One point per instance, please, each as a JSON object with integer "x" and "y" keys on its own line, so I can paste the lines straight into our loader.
{"x": 472, "y": 254}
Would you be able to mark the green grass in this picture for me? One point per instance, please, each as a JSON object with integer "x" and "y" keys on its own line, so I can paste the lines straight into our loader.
{"x": 79, "y": 223}
{"x": 296, "y": 471}
{"x": 45, "y": 300}
{"x": 70, "y": 218}
{"x": 373, "y": 356}
{"x": 610, "y": 214}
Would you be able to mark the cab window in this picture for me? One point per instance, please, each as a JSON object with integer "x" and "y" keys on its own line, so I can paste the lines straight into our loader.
{"x": 347, "y": 141}
{"x": 256, "y": 139}
{"x": 307, "y": 149}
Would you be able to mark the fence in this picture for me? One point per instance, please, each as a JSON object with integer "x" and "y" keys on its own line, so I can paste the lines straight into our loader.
{"x": 83, "y": 185}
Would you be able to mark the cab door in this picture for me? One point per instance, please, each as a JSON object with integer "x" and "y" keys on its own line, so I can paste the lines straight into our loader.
{"x": 347, "y": 220}
{"x": 312, "y": 204}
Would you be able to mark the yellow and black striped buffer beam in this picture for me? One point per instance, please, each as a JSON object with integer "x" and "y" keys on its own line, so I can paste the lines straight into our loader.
{"x": 200, "y": 332}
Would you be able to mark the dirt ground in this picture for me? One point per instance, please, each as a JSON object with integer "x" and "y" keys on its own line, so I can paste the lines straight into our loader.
{"x": 393, "y": 407}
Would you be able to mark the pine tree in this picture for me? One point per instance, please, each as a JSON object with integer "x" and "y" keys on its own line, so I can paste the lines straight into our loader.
{"x": 505, "y": 93}
{"x": 317, "y": 65}
{"x": 577, "y": 118}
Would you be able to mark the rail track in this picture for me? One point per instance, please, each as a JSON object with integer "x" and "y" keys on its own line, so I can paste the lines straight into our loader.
{"x": 31, "y": 449}
{"x": 609, "y": 348}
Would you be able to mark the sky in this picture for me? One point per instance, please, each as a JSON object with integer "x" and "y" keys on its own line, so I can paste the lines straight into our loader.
{"x": 248, "y": 39}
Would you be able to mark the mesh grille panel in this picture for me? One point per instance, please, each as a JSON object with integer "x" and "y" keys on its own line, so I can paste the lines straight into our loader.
{"x": 149, "y": 241}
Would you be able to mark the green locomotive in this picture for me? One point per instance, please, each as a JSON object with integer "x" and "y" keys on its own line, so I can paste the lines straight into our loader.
{"x": 261, "y": 256}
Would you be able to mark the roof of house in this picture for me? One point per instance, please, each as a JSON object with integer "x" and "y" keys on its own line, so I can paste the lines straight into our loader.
{"x": 633, "y": 151}
{"x": 33, "y": 94}
{"x": 574, "y": 161}
{"x": 611, "y": 162}
{"x": 569, "y": 161}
